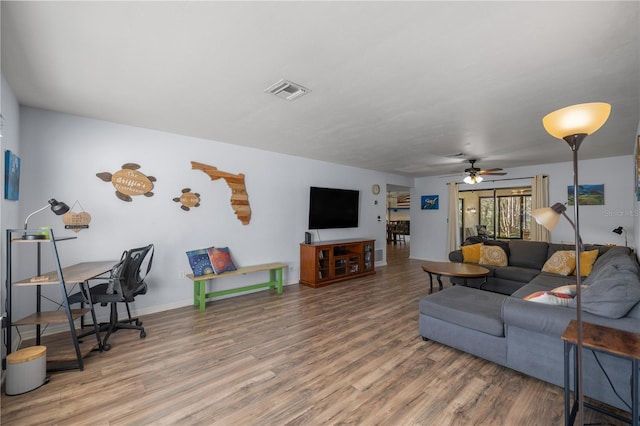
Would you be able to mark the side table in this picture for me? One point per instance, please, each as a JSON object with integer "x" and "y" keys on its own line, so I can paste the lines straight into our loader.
{"x": 607, "y": 340}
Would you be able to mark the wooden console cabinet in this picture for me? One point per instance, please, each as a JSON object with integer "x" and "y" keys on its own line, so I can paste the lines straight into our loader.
{"x": 327, "y": 262}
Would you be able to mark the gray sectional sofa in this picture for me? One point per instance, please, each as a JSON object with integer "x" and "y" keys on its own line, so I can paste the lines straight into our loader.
{"x": 525, "y": 335}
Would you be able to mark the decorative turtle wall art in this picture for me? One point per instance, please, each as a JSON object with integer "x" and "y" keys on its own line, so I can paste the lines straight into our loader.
{"x": 188, "y": 199}
{"x": 129, "y": 182}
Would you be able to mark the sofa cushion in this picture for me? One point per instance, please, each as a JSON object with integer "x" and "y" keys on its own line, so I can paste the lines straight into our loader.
{"x": 467, "y": 307}
{"x": 562, "y": 262}
{"x": 611, "y": 296}
{"x": 471, "y": 253}
{"x": 503, "y": 244}
{"x": 515, "y": 273}
{"x": 493, "y": 255}
{"x": 587, "y": 259}
{"x": 615, "y": 252}
{"x": 613, "y": 258}
{"x": 528, "y": 254}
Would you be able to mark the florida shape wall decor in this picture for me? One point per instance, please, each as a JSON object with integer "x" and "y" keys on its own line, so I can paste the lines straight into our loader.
{"x": 188, "y": 199}
{"x": 239, "y": 196}
{"x": 129, "y": 182}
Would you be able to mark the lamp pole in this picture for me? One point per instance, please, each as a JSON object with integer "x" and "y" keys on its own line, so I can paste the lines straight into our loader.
{"x": 574, "y": 142}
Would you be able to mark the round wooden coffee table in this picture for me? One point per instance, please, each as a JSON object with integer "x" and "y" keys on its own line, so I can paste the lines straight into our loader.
{"x": 452, "y": 269}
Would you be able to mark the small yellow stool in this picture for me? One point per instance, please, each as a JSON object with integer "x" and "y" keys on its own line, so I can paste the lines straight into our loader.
{"x": 26, "y": 370}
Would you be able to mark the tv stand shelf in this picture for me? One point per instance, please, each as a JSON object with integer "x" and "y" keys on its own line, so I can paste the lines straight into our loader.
{"x": 328, "y": 262}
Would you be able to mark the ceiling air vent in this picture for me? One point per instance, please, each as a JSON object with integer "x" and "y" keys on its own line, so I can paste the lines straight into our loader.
{"x": 288, "y": 90}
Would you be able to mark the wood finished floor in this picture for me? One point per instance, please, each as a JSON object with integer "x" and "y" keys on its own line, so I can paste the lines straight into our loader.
{"x": 349, "y": 353}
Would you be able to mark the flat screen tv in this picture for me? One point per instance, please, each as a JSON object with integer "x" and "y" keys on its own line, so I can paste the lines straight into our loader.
{"x": 333, "y": 208}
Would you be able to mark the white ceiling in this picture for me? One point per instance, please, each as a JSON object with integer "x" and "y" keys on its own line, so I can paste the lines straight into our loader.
{"x": 396, "y": 86}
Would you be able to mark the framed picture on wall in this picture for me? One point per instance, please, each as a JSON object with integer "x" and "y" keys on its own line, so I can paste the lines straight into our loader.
{"x": 11, "y": 176}
{"x": 429, "y": 202}
{"x": 588, "y": 195}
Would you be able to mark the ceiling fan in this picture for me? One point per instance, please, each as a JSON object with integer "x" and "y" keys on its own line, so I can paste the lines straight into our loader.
{"x": 474, "y": 174}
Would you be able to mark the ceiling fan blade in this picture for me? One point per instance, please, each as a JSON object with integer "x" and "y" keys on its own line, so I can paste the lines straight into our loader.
{"x": 485, "y": 173}
{"x": 497, "y": 169}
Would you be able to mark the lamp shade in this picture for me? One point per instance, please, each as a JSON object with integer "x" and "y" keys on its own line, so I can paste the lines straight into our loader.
{"x": 549, "y": 216}
{"x": 58, "y": 207}
{"x": 546, "y": 217}
{"x": 576, "y": 119}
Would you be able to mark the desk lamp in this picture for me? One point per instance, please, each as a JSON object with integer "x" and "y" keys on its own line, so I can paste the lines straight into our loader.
{"x": 58, "y": 207}
{"x": 619, "y": 230}
{"x": 573, "y": 124}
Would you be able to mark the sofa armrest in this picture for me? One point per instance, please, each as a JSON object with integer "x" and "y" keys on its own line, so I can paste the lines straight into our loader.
{"x": 456, "y": 256}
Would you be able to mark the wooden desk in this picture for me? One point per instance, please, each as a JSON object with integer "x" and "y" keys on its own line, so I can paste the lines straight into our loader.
{"x": 452, "y": 269}
{"x": 80, "y": 274}
{"x": 607, "y": 340}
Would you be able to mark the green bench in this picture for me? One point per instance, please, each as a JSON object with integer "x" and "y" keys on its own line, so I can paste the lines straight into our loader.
{"x": 200, "y": 294}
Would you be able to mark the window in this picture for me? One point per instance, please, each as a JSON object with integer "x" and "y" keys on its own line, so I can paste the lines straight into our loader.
{"x": 502, "y": 213}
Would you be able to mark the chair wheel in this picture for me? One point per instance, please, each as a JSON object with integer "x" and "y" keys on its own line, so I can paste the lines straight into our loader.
{"x": 143, "y": 334}
{"x": 106, "y": 347}
{"x": 138, "y": 323}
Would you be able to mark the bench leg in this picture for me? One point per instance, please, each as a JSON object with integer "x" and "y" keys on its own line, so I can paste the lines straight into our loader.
{"x": 277, "y": 283}
{"x": 199, "y": 293}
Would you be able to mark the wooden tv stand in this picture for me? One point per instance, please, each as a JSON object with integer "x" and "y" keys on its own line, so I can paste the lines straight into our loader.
{"x": 327, "y": 262}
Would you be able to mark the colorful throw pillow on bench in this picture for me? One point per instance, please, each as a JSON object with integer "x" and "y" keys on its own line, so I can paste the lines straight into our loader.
{"x": 200, "y": 262}
{"x": 221, "y": 260}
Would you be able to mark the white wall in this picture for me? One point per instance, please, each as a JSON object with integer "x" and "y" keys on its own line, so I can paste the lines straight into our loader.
{"x": 429, "y": 227}
{"x": 62, "y": 153}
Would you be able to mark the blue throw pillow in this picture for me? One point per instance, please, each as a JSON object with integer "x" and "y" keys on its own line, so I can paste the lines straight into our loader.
{"x": 200, "y": 262}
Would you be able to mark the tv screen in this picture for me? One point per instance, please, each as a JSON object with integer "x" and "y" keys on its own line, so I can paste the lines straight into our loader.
{"x": 333, "y": 208}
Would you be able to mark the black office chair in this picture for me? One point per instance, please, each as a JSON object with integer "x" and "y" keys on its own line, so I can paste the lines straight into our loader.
{"x": 125, "y": 283}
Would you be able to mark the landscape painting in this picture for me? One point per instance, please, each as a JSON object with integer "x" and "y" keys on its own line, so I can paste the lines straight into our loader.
{"x": 588, "y": 195}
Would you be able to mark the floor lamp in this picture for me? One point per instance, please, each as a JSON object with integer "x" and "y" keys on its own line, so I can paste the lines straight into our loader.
{"x": 572, "y": 124}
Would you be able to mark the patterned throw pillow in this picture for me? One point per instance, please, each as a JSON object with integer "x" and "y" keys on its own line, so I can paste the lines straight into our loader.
{"x": 200, "y": 262}
{"x": 562, "y": 262}
{"x": 221, "y": 260}
{"x": 471, "y": 253}
{"x": 587, "y": 259}
{"x": 549, "y": 298}
{"x": 493, "y": 255}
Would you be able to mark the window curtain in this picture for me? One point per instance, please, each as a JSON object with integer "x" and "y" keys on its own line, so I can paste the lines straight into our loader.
{"x": 539, "y": 199}
{"x": 452, "y": 225}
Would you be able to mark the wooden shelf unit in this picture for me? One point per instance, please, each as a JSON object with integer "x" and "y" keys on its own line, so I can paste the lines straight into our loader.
{"x": 70, "y": 348}
{"x": 328, "y": 262}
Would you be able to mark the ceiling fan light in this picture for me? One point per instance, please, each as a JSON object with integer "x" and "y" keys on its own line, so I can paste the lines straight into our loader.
{"x": 576, "y": 119}
{"x": 472, "y": 179}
